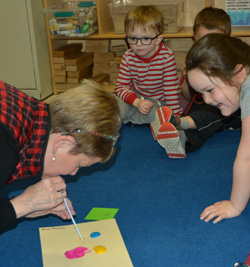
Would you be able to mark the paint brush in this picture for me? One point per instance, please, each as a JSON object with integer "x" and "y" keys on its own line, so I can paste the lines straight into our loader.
{"x": 72, "y": 219}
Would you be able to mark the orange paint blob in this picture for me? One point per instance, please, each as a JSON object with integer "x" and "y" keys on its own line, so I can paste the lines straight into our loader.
{"x": 99, "y": 249}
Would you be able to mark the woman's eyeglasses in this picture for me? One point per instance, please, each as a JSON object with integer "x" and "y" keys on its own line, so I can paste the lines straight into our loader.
{"x": 114, "y": 138}
{"x": 143, "y": 40}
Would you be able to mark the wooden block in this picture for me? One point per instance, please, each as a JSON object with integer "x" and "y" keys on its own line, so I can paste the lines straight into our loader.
{"x": 65, "y": 86}
{"x": 97, "y": 43}
{"x": 96, "y": 49}
{"x": 96, "y": 72}
{"x": 109, "y": 87}
{"x": 112, "y": 63}
{"x": 101, "y": 78}
{"x": 67, "y": 50}
{"x": 58, "y": 60}
{"x": 76, "y": 68}
{"x": 118, "y": 48}
{"x": 81, "y": 72}
{"x": 59, "y": 66}
{"x": 113, "y": 83}
{"x": 60, "y": 79}
{"x": 118, "y": 60}
{"x": 101, "y": 61}
{"x": 114, "y": 69}
{"x": 84, "y": 75}
{"x": 60, "y": 72}
{"x": 84, "y": 59}
{"x": 73, "y": 68}
{"x": 104, "y": 55}
{"x": 113, "y": 76}
{"x": 73, "y": 80}
{"x": 105, "y": 67}
{"x": 119, "y": 53}
{"x": 114, "y": 66}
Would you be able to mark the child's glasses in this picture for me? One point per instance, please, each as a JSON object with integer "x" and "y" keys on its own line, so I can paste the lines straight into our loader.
{"x": 143, "y": 40}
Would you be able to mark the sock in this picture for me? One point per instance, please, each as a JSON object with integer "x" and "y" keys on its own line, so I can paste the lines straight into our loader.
{"x": 184, "y": 122}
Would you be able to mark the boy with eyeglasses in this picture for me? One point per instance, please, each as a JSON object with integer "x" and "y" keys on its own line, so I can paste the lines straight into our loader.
{"x": 147, "y": 78}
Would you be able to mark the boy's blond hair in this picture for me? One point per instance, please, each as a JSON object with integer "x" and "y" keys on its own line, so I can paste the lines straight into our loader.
{"x": 145, "y": 17}
{"x": 213, "y": 18}
{"x": 88, "y": 108}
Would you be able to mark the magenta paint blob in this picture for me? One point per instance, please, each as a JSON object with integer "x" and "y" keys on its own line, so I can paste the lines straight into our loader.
{"x": 76, "y": 253}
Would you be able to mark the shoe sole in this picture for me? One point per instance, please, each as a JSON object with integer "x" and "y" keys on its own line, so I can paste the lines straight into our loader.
{"x": 168, "y": 138}
{"x": 163, "y": 114}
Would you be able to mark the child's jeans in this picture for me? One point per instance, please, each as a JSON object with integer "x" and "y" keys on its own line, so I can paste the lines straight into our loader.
{"x": 132, "y": 114}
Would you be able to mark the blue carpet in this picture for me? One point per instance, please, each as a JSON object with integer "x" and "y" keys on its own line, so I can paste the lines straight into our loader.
{"x": 159, "y": 201}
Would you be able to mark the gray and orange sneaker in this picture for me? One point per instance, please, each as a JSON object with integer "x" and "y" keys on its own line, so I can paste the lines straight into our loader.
{"x": 163, "y": 114}
{"x": 172, "y": 139}
{"x": 167, "y": 131}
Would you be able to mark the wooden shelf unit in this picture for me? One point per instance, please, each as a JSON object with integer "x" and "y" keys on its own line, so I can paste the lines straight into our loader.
{"x": 106, "y": 31}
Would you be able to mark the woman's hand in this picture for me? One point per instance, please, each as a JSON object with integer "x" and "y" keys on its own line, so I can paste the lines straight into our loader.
{"x": 144, "y": 106}
{"x": 61, "y": 211}
{"x": 42, "y": 198}
{"x": 221, "y": 210}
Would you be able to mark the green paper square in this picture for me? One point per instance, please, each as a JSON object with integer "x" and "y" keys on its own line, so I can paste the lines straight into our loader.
{"x": 98, "y": 214}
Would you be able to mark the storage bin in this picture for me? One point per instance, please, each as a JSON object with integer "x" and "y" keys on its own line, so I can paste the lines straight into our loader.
{"x": 172, "y": 12}
{"x": 72, "y": 19}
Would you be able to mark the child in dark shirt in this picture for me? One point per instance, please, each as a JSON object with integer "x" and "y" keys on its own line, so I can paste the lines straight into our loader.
{"x": 202, "y": 121}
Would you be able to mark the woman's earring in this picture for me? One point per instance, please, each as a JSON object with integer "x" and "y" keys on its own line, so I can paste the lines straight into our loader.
{"x": 53, "y": 159}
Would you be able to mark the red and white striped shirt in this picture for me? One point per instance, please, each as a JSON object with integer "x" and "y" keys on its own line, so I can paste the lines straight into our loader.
{"x": 153, "y": 77}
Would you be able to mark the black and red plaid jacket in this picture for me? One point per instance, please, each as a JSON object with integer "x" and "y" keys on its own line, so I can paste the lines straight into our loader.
{"x": 28, "y": 121}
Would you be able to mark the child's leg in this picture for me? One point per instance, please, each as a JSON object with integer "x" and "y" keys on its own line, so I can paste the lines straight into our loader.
{"x": 126, "y": 111}
{"x": 209, "y": 120}
{"x": 132, "y": 114}
{"x": 187, "y": 123}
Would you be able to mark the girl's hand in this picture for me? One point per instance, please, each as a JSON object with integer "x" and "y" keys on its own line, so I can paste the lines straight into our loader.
{"x": 41, "y": 198}
{"x": 144, "y": 106}
{"x": 221, "y": 210}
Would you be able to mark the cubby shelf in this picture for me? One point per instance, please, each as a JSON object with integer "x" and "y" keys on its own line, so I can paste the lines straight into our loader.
{"x": 106, "y": 31}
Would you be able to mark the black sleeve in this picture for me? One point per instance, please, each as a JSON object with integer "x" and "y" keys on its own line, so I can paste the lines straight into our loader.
{"x": 8, "y": 160}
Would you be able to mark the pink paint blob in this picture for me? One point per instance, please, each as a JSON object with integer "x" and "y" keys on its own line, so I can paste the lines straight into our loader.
{"x": 76, "y": 253}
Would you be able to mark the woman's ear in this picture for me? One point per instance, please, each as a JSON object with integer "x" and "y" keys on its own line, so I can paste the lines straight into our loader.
{"x": 63, "y": 141}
